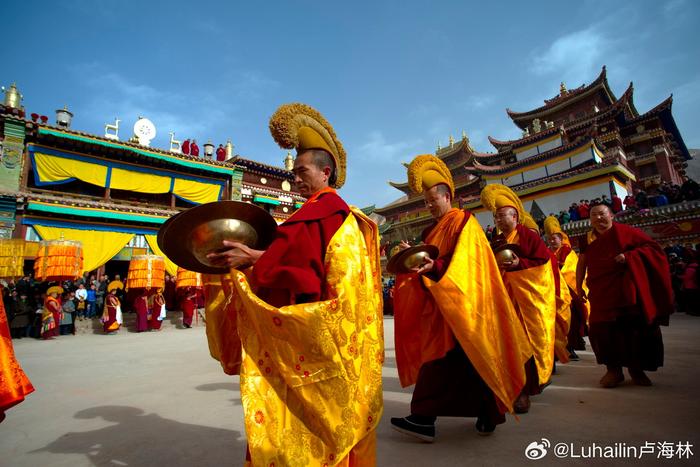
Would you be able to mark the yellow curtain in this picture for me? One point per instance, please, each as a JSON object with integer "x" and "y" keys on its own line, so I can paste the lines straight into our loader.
{"x": 57, "y": 169}
{"x": 170, "y": 267}
{"x": 98, "y": 246}
{"x": 122, "y": 179}
{"x": 196, "y": 192}
{"x": 12, "y": 258}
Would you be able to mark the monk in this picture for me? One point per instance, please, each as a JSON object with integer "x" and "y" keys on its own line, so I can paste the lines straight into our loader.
{"x": 51, "y": 317}
{"x": 112, "y": 313}
{"x": 443, "y": 311}
{"x": 142, "y": 313}
{"x": 530, "y": 281}
{"x": 630, "y": 292}
{"x": 188, "y": 305}
{"x": 157, "y": 309}
{"x": 308, "y": 316}
{"x": 14, "y": 384}
{"x": 567, "y": 260}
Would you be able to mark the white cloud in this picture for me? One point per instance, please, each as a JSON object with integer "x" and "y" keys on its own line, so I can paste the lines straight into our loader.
{"x": 378, "y": 150}
{"x": 479, "y": 102}
{"x": 573, "y": 56}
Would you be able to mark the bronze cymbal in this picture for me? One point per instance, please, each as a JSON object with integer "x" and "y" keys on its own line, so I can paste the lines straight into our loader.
{"x": 405, "y": 260}
{"x": 504, "y": 253}
{"x": 188, "y": 237}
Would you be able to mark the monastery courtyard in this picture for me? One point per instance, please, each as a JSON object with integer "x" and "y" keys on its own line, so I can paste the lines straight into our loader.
{"x": 158, "y": 399}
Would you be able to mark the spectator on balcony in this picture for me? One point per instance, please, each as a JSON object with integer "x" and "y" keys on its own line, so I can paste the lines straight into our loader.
{"x": 640, "y": 196}
{"x": 616, "y": 203}
{"x": 573, "y": 212}
{"x": 564, "y": 217}
{"x": 690, "y": 190}
{"x": 583, "y": 209}
{"x": 630, "y": 203}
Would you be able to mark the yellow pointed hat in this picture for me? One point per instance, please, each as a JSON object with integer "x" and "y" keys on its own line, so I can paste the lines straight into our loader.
{"x": 495, "y": 196}
{"x": 552, "y": 226}
{"x": 530, "y": 222}
{"x": 426, "y": 171}
{"x": 301, "y": 127}
{"x": 57, "y": 289}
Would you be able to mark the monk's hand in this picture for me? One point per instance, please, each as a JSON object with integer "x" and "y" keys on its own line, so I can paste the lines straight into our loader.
{"x": 238, "y": 255}
{"x": 620, "y": 259}
{"x": 427, "y": 266}
{"x": 582, "y": 294}
{"x": 403, "y": 245}
{"x": 512, "y": 264}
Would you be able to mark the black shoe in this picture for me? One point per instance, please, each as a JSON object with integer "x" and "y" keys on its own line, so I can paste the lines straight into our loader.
{"x": 485, "y": 427}
{"x": 522, "y": 403}
{"x": 573, "y": 356}
{"x": 423, "y": 432}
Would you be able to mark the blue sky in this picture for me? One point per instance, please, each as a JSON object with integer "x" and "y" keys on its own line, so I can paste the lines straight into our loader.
{"x": 393, "y": 77}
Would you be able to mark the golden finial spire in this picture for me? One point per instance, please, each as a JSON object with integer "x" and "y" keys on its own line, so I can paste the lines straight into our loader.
{"x": 439, "y": 147}
{"x": 562, "y": 89}
{"x": 452, "y": 141}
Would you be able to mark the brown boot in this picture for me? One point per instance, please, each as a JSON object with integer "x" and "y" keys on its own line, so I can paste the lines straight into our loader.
{"x": 612, "y": 378}
{"x": 522, "y": 403}
{"x": 639, "y": 378}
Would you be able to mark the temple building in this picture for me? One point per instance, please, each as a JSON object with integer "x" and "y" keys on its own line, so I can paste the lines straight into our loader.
{"x": 113, "y": 195}
{"x": 581, "y": 144}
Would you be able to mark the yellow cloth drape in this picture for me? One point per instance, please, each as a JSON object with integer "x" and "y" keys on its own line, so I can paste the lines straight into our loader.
{"x": 12, "y": 258}
{"x": 311, "y": 373}
{"x": 532, "y": 292}
{"x": 170, "y": 267}
{"x": 98, "y": 246}
{"x": 140, "y": 182}
{"x": 187, "y": 278}
{"x": 58, "y": 260}
{"x": 57, "y": 169}
{"x": 52, "y": 168}
{"x": 473, "y": 300}
{"x": 221, "y": 319}
{"x": 197, "y": 192}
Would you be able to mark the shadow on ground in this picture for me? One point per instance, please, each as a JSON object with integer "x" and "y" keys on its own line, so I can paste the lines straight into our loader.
{"x": 159, "y": 441}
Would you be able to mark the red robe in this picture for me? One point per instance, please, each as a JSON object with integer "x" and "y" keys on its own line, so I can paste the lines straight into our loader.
{"x": 158, "y": 302}
{"x": 110, "y": 323}
{"x": 141, "y": 309}
{"x": 644, "y": 280}
{"x": 628, "y": 300}
{"x": 188, "y": 305}
{"x": 51, "y": 329}
{"x": 14, "y": 384}
{"x": 291, "y": 270}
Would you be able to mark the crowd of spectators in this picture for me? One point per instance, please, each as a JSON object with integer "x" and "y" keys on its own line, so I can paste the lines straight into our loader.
{"x": 666, "y": 193}
{"x": 82, "y": 299}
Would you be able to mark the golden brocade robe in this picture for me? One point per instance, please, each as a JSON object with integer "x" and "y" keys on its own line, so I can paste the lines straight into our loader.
{"x": 311, "y": 374}
{"x": 471, "y": 299}
{"x": 532, "y": 292}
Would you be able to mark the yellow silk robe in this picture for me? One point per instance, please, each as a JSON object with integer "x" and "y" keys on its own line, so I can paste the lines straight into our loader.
{"x": 471, "y": 299}
{"x": 311, "y": 374}
{"x": 562, "y": 320}
{"x": 533, "y": 294}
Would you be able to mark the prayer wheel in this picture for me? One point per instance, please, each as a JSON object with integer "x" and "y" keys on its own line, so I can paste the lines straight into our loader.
{"x": 187, "y": 278}
{"x": 12, "y": 258}
{"x": 59, "y": 260}
{"x": 146, "y": 272}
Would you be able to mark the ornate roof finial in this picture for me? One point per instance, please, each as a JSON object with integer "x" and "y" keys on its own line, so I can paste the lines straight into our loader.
{"x": 13, "y": 98}
{"x": 562, "y": 89}
{"x": 464, "y": 135}
{"x": 229, "y": 149}
{"x": 452, "y": 141}
{"x": 289, "y": 161}
{"x": 438, "y": 147}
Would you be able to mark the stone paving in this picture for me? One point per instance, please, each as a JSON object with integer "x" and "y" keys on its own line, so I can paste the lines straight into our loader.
{"x": 158, "y": 399}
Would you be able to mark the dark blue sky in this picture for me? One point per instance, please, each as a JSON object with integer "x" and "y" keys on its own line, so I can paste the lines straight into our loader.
{"x": 393, "y": 77}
